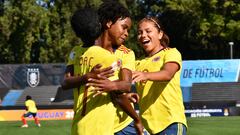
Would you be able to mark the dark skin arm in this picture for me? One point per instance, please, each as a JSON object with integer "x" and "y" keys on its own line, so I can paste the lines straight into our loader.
{"x": 105, "y": 85}
{"x": 71, "y": 81}
{"x": 99, "y": 79}
{"x": 121, "y": 99}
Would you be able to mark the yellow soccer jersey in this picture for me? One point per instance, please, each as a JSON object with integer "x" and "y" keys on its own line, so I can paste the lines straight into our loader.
{"x": 95, "y": 116}
{"x": 128, "y": 61}
{"x": 30, "y": 104}
{"x": 127, "y": 56}
{"x": 73, "y": 59}
{"x": 161, "y": 103}
{"x": 75, "y": 53}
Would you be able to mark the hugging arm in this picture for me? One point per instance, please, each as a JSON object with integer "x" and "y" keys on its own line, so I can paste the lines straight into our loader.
{"x": 74, "y": 81}
{"x": 116, "y": 90}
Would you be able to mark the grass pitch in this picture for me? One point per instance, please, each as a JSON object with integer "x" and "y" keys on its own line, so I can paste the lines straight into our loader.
{"x": 196, "y": 126}
{"x": 214, "y": 126}
{"x": 51, "y": 127}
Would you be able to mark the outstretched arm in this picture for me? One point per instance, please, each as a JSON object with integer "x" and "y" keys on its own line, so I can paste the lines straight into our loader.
{"x": 165, "y": 74}
{"x": 123, "y": 101}
{"x": 116, "y": 89}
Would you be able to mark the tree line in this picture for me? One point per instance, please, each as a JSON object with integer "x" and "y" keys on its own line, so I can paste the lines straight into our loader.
{"x": 39, "y": 31}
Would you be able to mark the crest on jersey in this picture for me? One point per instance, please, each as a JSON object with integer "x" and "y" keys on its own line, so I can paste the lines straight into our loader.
{"x": 117, "y": 65}
{"x": 33, "y": 77}
{"x": 71, "y": 55}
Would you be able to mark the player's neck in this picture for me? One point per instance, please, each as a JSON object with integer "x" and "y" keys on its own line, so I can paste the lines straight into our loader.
{"x": 105, "y": 43}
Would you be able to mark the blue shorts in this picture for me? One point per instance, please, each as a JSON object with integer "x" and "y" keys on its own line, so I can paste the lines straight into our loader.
{"x": 30, "y": 114}
{"x": 174, "y": 129}
{"x": 128, "y": 130}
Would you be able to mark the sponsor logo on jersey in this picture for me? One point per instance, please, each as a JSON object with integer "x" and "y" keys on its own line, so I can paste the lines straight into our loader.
{"x": 156, "y": 59}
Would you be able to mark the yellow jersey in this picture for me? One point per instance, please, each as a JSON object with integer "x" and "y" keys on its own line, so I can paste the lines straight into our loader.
{"x": 30, "y": 104}
{"x": 73, "y": 59}
{"x": 75, "y": 53}
{"x": 161, "y": 102}
{"x": 94, "y": 115}
{"x": 128, "y": 61}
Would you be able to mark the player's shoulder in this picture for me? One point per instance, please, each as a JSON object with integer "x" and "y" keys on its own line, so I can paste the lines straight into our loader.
{"x": 169, "y": 50}
{"x": 94, "y": 49}
{"x": 77, "y": 47}
{"x": 76, "y": 50}
{"x": 124, "y": 49}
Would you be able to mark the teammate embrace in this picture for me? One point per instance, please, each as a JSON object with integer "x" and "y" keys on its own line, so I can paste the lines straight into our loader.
{"x": 102, "y": 92}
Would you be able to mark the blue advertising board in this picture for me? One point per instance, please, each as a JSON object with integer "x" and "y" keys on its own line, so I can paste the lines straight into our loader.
{"x": 205, "y": 71}
{"x": 202, "y": 71}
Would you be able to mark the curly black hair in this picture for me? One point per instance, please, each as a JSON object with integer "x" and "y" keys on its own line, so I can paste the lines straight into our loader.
{"x": 86, "y": 25}
{"x": 28, "y": 97}
{"x": 111, "y": 10}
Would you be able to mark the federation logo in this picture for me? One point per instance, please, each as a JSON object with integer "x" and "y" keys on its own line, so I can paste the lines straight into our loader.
{"x": 71, "y": 55}
{"x": 116, "y": 65}
{"x": 33, "y": 77}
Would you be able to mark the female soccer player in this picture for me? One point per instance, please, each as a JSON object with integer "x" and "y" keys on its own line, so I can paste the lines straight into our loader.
{"x": 158, "y": 81}
{"x": 31, "y": 111}
{"x": 85, "y": 63}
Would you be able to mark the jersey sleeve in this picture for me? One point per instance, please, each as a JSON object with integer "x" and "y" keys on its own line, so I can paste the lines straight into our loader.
{"x": 173, "y": 55}
{"x": 128, "y": 61}
{"x": 26, "y": 103}
{"x": 71, "y": 57}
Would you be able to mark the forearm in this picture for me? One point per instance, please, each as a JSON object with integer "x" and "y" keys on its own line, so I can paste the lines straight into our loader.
{"x": 125, "y": 105}
{"x": 166, "y": 73}
{"x": 123, "y": 86}
{"x": 73, "y": 82}
{"x": 158, "y": 76}
{"x": 126, "y": 81}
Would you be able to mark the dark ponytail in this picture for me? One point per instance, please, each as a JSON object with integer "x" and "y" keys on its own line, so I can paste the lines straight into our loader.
{"x": 165, "y": 40}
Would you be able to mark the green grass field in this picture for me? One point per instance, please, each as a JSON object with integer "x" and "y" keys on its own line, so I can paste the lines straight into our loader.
{"x": 214, "y": 126}
{"x": 197, "y": 126}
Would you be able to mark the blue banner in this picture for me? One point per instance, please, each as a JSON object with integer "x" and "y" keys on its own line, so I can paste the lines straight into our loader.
{"x": 202, "y": 71}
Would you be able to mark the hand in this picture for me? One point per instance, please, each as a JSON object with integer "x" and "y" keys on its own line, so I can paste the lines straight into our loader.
{"x": 133, "y": 97}
{"x": 139, "y": 76}
{"x": 96, "y": 92}
{"x": 102, "y": 84}
{"x": 98, "y": 73}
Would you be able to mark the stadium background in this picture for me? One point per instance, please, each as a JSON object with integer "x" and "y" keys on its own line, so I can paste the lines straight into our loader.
{"x": 209, "y": 87}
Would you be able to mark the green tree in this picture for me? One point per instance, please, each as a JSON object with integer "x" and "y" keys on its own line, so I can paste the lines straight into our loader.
{"x": 31, "y": 32}
{"x": 200, "y": 29}
{"x": 36, "y": 33}
{"x": 20, "y": 26}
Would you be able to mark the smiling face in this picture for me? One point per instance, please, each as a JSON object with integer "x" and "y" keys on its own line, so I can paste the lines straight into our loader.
{"x": 149, "y": 36}
{"x": 118, "y": 31}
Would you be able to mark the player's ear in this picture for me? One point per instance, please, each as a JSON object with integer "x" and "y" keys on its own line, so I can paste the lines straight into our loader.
{"x": 160, "y": 35}
{"x": 109, "y": 23}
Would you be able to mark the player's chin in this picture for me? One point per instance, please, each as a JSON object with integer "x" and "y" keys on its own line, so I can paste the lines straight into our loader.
{"x": 121, "y": 41}
{"x": 145, "y": 47}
